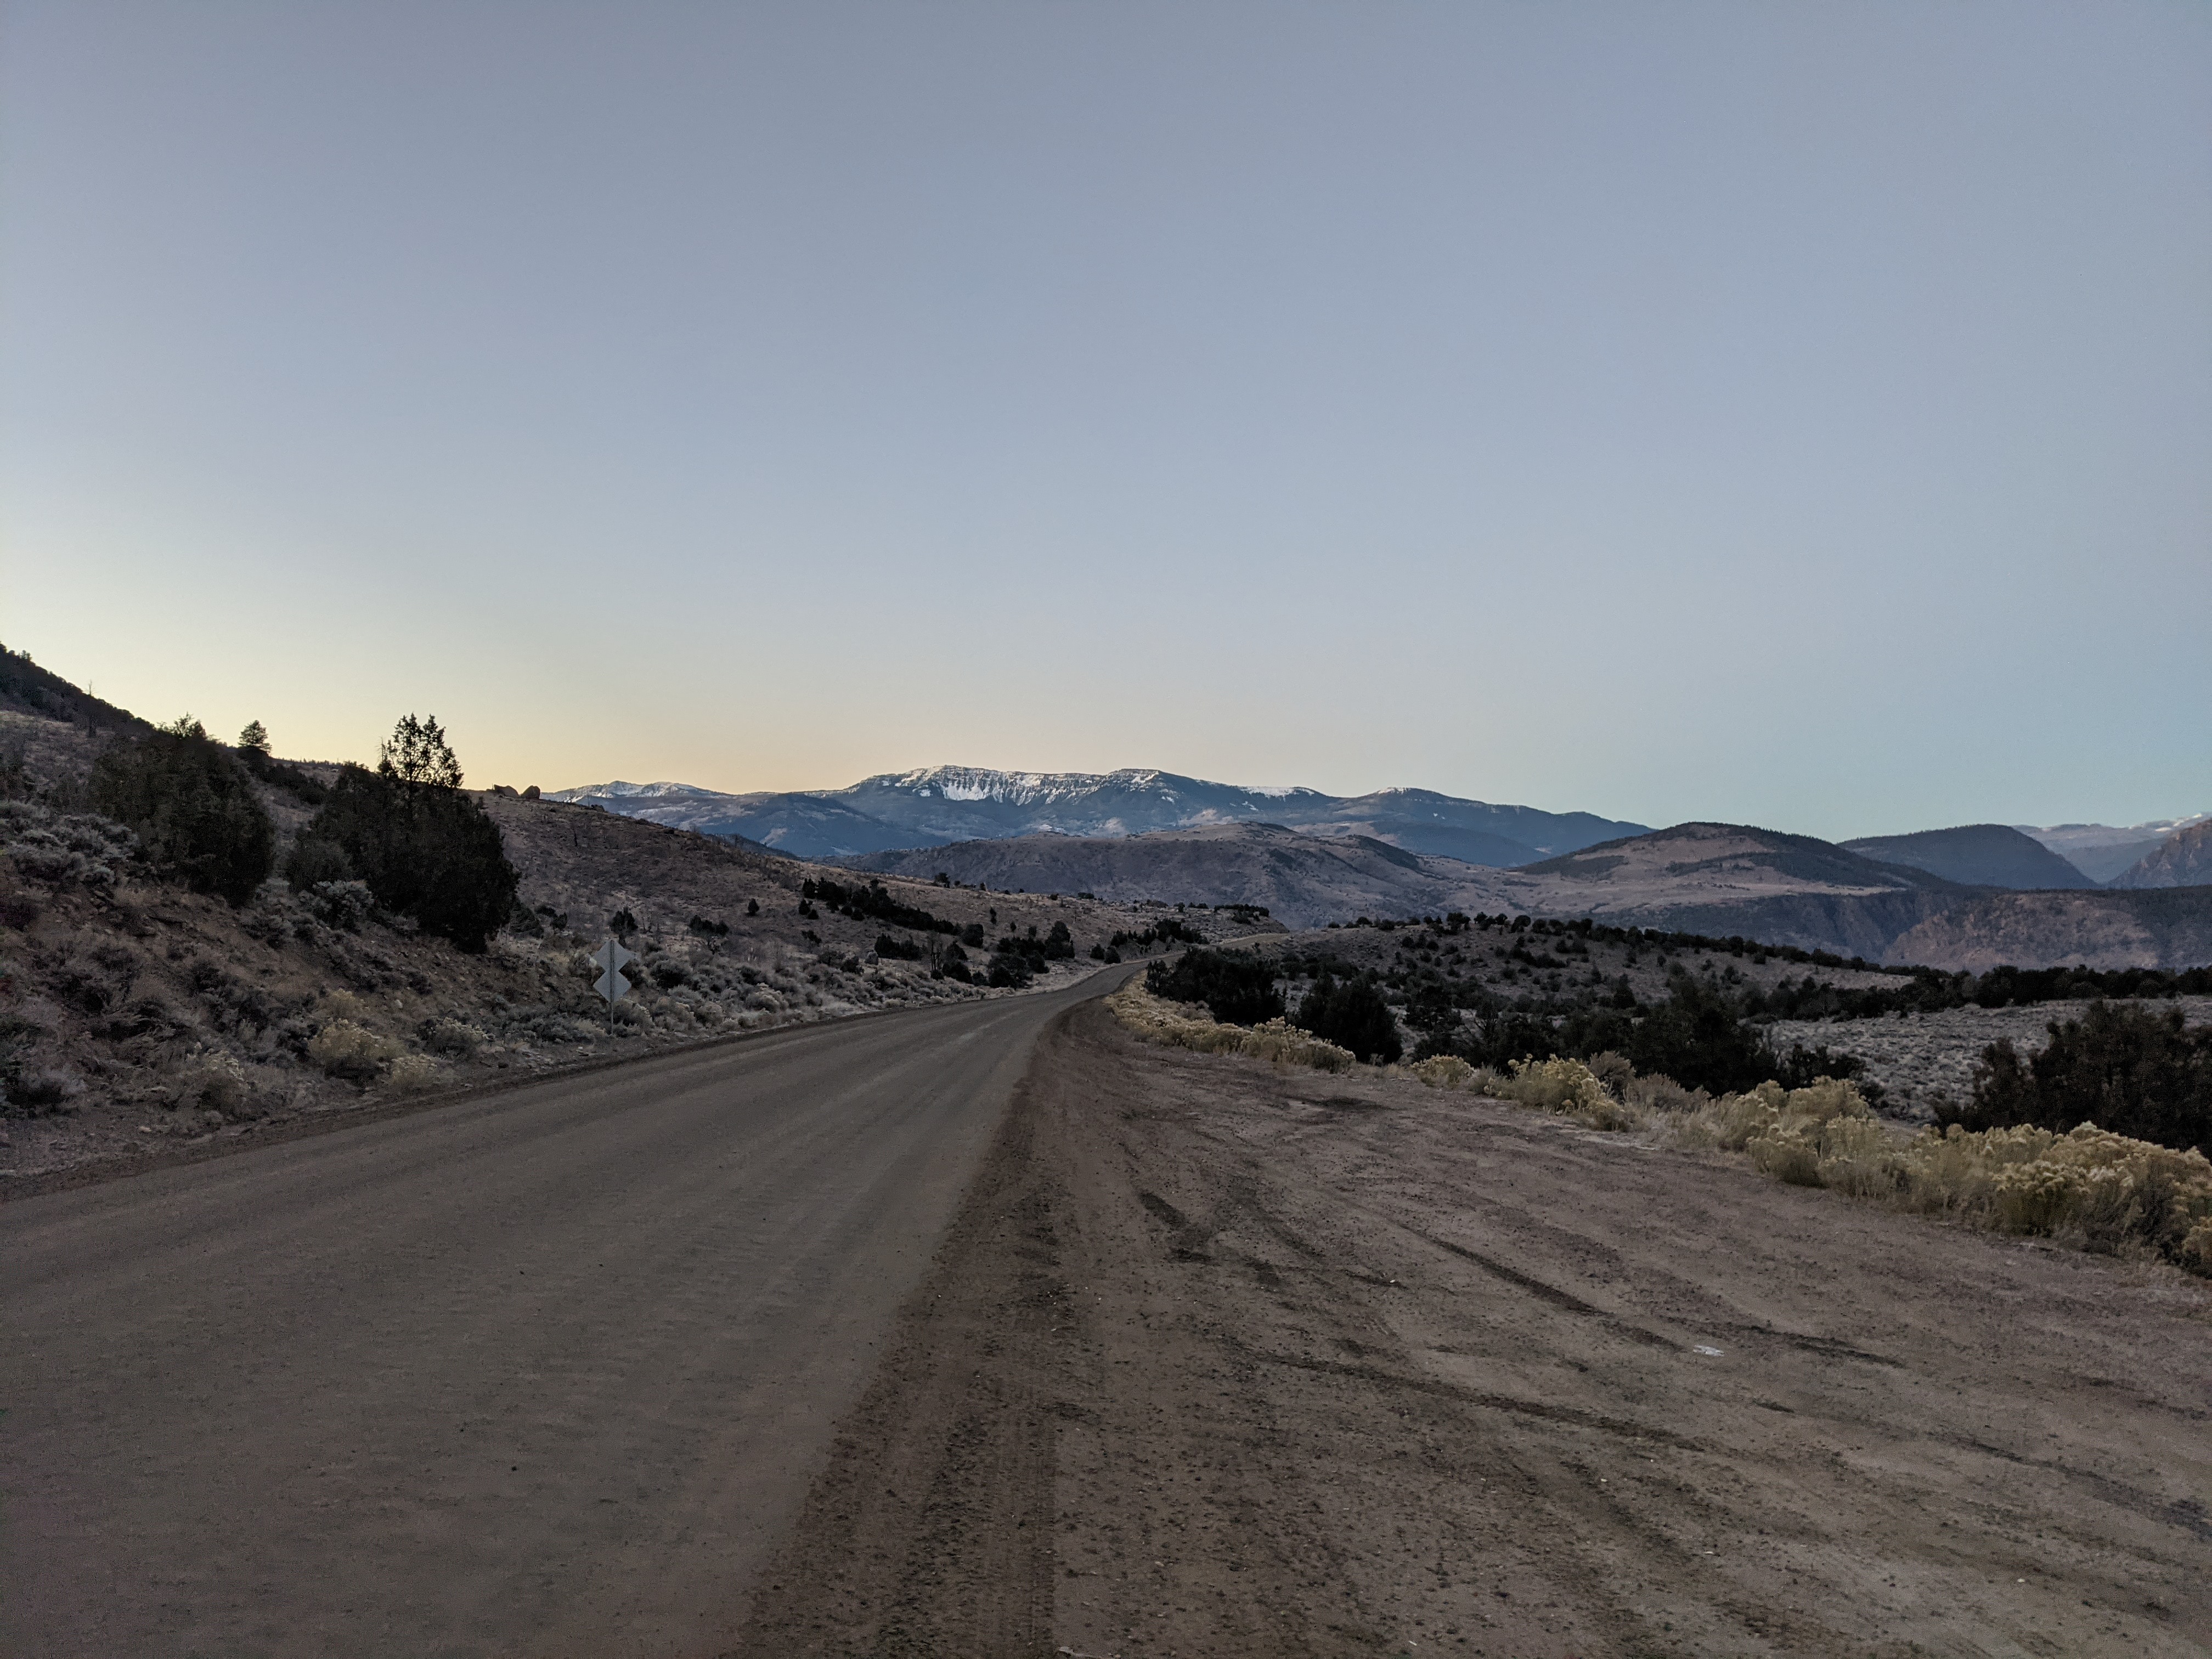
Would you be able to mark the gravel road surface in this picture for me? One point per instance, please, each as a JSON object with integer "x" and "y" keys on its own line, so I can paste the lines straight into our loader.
{"x": 546, "y": 1373}
{"x": 1223, "y": 1361}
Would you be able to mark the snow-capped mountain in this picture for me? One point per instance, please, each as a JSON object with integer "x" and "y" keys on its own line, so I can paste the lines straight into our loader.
{"x": 933, "y": 805}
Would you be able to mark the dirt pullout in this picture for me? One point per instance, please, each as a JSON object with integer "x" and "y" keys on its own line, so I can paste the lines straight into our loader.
{"x": 1221, "y": 1361}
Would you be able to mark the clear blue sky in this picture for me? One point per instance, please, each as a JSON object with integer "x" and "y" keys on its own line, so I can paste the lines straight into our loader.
{"x": 1783, "y": 413}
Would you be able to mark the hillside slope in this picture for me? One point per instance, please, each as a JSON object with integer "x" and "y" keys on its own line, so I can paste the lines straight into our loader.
{"x": 1725, "y": 878}
{"x": 27, "y": 689}
{"x": 1976, "y": 855}
{"x": 2102, "y": 851}
{"x": 1301, "y": 880}
{"x": 2169, "y": 929}
{"x": 136, "y": 1016}
{"x": 1698, "y": 877}
{"x": 2183, "y": 860}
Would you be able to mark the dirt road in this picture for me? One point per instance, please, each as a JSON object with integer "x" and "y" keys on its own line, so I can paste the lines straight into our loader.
{"x": 1218, "y": 1361}
{"x": 543, "y": 1374}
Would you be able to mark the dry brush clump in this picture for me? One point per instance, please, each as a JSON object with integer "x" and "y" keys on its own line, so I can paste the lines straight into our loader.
{"x": 1189, "y": 1025}
{"x": 1592, "y": 1092}
{"x": 2089, "y": 1187}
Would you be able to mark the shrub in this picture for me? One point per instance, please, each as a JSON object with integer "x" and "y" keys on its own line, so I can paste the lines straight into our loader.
{"x": 1568, "y": 1088}
{"x": 211, "y": 1081}
{"x": 898, "y": 950}
{"x": 1444, "y": 1072}
{"x": 2120, "y": 1067}
{"x": 193, "y": 809}
{"x": 341, "y": 904}
{"x": 410, "y": 1074}
{"x": 454, "y": 1039}
{"x": 1352, "y": 1014}
{"x": 1276, "y": 1040}
{"x": 424, "y": 850}
{"x": 33, "y": 1090}
{"x": 1237, "y": 988}
{"x": 347, "y": 1050}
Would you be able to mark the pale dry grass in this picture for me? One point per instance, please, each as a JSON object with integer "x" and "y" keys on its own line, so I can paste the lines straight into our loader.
{"x": 2089, "y": 1187}
{"x": 1183, "y": 1025}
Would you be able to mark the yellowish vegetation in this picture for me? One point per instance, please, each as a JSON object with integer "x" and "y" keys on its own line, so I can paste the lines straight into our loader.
{"x": 410, "y": 1074}
{"x": 211, "y": 1080}
{"x": 350, "y": 1051}
{"x": 2089, "y": 1187}
{"x": 1567, "y": 1087}
{"x": 1184, "y": 1025}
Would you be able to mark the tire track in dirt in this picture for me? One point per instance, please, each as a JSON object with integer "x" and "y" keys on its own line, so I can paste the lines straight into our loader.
{"x": 1199, "y": 1374}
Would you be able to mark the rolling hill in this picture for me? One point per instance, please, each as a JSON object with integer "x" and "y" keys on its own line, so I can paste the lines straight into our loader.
{"x": 1700, "y": 878}
{"x": 1976, "y": 855}
{"x": 1712, "y": 879}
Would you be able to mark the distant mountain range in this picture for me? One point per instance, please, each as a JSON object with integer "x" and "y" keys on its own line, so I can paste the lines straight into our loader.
{"x": 1713, "y": 878}
{"x": 2104, "y": 851}
{"x": 940, "y": 805}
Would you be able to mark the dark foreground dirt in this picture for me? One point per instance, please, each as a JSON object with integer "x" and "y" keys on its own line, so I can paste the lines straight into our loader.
{"x": 1217, "y": 1360}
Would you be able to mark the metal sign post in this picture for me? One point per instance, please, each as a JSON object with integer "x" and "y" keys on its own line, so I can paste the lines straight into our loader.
{"x": 611, "y": 959}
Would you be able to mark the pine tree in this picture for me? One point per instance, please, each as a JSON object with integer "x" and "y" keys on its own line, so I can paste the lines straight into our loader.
{"x": 255, "y": 740}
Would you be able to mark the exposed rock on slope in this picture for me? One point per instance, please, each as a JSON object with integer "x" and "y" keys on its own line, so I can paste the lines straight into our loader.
{"x": 2169, "y": 929}
{"x": 1976, "y": 855}
{"x": 2102, "y": 851}
{"x": 2183, "y": 860}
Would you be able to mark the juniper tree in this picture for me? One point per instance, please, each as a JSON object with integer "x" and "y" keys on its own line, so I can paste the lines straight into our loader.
{"x": 417, "y": 753}
{"x": 193, "y": 807}
{"x": 425, "y": 849}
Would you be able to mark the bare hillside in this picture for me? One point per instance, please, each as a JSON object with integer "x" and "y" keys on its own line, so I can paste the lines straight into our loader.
{"x": 138, "y": 1017}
